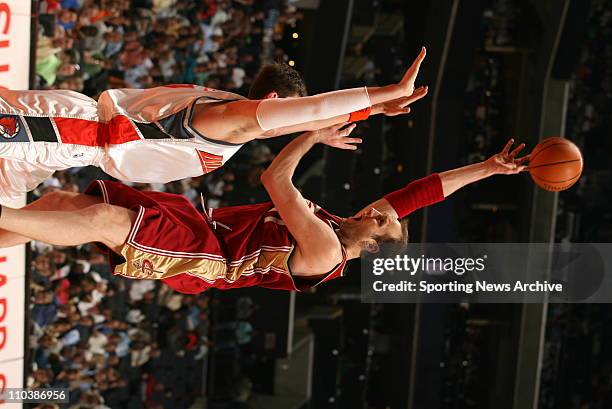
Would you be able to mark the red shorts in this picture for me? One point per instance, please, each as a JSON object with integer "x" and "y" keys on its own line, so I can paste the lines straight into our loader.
{"x": 168, "y": 239}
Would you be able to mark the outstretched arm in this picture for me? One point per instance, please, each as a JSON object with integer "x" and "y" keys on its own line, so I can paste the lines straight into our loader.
{"x": 316, "y": 241}
{"x": 503, "y": 163}
{"x": 245, "y": 120}
{"x": 438, "y": 186}
{"x": 389, "y": 108}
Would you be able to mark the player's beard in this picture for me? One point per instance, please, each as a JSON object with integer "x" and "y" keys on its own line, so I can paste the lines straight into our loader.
{"x": 349, "y": 233}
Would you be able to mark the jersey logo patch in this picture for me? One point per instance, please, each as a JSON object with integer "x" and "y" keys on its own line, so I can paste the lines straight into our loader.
{"x": 9, "y": 127}
{"x": 209, "y": 161}
{"x": 146, "y": 267}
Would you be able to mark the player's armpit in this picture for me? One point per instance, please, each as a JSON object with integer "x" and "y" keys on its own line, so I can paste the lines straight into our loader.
{"x": 232, "y": 122}
{"x": 318, "y": 247}
{"x": 308, "y": 264}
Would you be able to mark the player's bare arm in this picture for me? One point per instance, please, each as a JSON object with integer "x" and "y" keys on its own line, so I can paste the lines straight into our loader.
{"x": 245, "y": 120}
{"x": 503, "y": 163}
{"x": 318, "y": 248}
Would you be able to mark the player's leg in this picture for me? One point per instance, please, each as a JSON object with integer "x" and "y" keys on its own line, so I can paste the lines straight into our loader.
{"x": 53, "y": 201}
{"x": 101, "y": 222}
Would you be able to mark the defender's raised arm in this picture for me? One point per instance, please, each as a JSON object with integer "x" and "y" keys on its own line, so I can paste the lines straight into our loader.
{"x": 245, "y": 120}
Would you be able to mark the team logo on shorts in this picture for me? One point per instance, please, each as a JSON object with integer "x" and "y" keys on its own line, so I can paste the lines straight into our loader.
{"x": 146, "y": 267}
{"x": 9, "y": 127}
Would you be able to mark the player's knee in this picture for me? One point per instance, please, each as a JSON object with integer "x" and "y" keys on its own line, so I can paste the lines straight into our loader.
{"x": 104, "y": 217}
{"x": 109, "y": 223}
{"x": 99, "y": 215}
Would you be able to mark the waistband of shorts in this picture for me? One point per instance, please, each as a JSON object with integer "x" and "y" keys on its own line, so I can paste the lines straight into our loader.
{"x": 99, "y": 158}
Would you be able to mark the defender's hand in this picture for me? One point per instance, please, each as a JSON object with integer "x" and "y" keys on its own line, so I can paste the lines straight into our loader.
{"x": 337, "y": 137}
{"x": 399, "y": 106}
{"x": 505, "y": 162}
{"x": 407, "y": 82}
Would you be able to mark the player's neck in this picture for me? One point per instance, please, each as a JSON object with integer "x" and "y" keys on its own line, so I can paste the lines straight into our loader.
{"x": 353, "y": 251}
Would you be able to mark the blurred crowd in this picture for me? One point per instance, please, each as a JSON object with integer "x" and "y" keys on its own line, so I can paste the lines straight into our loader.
{"x": 588, "y": 125}
{"x": 485, "y": 123}
{"x": 575, "y": 331}
{"x": 92, "y": 45}
{"x": 113, "y": 342}
{"x": 485, "y": 92}
{"x": 120, "y": 343}
{"x": 501, "y": 21}
{"x": 482, "y": 215}
{"x": 483, "y": 112}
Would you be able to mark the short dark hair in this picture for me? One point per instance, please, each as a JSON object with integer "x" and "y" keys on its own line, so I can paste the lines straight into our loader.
{"x": 279, "y": 78}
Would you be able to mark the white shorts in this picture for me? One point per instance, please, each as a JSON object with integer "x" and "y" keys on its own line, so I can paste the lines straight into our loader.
{"x": 133, "y": 135}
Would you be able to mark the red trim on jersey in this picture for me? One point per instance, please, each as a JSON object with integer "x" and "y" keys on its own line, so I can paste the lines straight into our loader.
{"x": 209, "y": 161}
{"x": 79, "y": 131}
{"x": 120, "y": 130}
{"x": 180, "y": 86}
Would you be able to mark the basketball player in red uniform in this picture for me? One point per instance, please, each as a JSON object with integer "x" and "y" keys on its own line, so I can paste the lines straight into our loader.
{"x": 172, "y": 132}
{"x": 289, "y": 243}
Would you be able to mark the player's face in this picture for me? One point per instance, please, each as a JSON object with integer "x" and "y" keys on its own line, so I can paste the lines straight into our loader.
{"x": 372, "y": 223}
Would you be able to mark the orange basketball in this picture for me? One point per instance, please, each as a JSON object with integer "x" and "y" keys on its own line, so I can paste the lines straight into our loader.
{"x": 555, "y": 164}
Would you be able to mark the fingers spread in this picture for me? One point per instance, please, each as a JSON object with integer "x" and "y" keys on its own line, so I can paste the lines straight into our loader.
{"x": 402, "y": 102}
{"x": 340, "y": 126}
{"x": 507, "y": 147}
{"x": 417, "y": 94}
{"x": 347, "y": 146}
{"x": 517, "y": 150}
{"x": 522, "y": 160}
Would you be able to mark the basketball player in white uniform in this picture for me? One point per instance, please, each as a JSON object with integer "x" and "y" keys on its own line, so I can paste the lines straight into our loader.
{"x": 167, "y": 133}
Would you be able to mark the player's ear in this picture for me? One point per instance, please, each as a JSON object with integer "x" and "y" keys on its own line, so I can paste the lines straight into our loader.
{"x": 370, "y": 245}
{"x": 271, "y": 95}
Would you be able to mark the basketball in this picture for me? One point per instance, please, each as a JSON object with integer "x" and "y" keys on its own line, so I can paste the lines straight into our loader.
{"x": 556, "y": 164}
